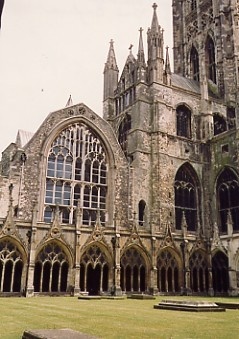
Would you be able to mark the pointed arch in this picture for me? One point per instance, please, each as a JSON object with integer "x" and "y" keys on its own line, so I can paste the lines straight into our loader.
{"x": 187, "y": 197}
{"x": 183, "y": 121}
{"x": 220, "y": 273}
{"x": 210, "y": 59}
{"x": 169, "y": 264}
{"x": 94, "y": 269}
{"x": 133, "y": 265}
{"x": 124, "y": 128}
{"x": 198, "y": 265}
{"x": 194, "y": 62}
{"x": 52, "y": 265}
{"x": 227, "y": 192}
{"x": 12, "y": 259}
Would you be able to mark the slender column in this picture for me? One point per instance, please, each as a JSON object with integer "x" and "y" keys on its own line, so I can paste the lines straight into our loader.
{"x": 139, "y": 280}
{"x": 50, "y": 280}
{"x": 85, "y": 278}
{"x": 12, "y": 278}
{"x": 101, "y": 279}
{"x": 42, "y": 271}
{"x": 3, "y": 274}
{"x": 131, "y": 279}
{"x": 173, "y": 282}
{"x": 59, "y": 280}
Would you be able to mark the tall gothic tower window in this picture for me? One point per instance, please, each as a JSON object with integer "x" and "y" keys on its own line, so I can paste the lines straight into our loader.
{"x": 124, "y": 128}
{"x": 183, "y": 115}
{"x": 76, "y": 172}
{"x": 185, "y": 190}
{"x": 228, "y": 200}
{"x": 194, "y": 60}
{"x": 211, "y": 60}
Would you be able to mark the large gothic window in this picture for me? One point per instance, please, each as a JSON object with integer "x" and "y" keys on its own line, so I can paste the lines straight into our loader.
{"x": 76, "y": 172}
{"x": 124, "y": 128}
{"x": 211, "y": 60}
{"x": 228, "y": 200}
{"x": 183, "y": 115}
{"x": 185, "y": 189}
{"x": 194, "y": 60}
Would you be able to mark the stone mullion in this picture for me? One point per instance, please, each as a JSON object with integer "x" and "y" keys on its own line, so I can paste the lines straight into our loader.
{"x": 3, "y": 274}
{"x": 85, "y": 277}
{"x": 12, "y": 277}
{"x": 59, "y": 279}
{"x": 50, "y": 280}
{"x": 131, "y": 279}
{"x": 101, "y": 278}
{"x": 139, "y": 280}
{"x": 173, "y": 281}
{"x": 41, "y": 277}
{"x": 204, "y": 280}
{"x": 166, "y": 279}
{"x": 198, "y": 279}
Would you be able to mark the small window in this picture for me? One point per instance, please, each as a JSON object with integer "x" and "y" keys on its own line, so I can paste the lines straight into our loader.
{"x": 219, "y": 124}
{"x": 194, "y": 60}
{"x": 211, "y": 60}
{"x": 193, "y": 4}
{"x": 183, "y": 121}
{"x": 141, "y": 212}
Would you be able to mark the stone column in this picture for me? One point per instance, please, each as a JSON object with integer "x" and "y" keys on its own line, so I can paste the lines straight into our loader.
{"x": 153, "y": 288}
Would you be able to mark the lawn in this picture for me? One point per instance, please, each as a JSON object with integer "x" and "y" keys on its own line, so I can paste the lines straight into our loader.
{"x": 128, "y": 318}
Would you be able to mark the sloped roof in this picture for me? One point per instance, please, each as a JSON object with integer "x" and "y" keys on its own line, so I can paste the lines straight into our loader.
{"x": 185, "y": 83}
{"x": 23, "y": 137}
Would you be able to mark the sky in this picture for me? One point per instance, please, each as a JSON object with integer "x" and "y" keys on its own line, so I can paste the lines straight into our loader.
{"x": 52, "y": 49}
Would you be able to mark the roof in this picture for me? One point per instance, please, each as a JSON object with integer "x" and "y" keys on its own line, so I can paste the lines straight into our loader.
{"x": 23, "y": 137}
{"x": 185, "y": 83}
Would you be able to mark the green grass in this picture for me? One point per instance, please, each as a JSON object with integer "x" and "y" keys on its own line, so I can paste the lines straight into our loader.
{"x": 128, "y": 318}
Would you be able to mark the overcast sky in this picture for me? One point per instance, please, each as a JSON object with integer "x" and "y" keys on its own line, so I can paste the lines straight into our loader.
{"x": 53, "y": 48}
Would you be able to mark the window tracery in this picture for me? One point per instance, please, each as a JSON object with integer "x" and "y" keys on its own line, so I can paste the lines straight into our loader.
{"x": 185, "y": 190}
{"x": 168, "y": 272}
{"x": 211, "y": 60}
{"x": 194, "y": 60}
{"x": 228, "y": 200}
{"x": 51, "y": 269}
{"x": 11, "y": 266}
{"x": 124, "y": 128}
{"x": 76, "y": 170}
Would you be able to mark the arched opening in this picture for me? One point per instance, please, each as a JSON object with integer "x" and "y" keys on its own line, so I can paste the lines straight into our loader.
{"x": 8, "y": 276}
{"x": 194, "y": 60}
{"x": 37, "y": 276}
{"x": 17, "y": 276}
{"x": 210, "y": 60}
{"x": 141, "y": 212}
{"x": 220, "y": 274}
{"x": 93, "y": 279}
{"x": 51, "y": 269}
{"x": 11, "y": 266}
{"x": 219, "y": 124}
{"x": 183, "y": 121}
{"x": 94, "y": 271}
{"x": 167, "y": 266}
{"x": 133, "y": 268}
{"x": 199, "y": 272}
{"x": 124, "y": 129}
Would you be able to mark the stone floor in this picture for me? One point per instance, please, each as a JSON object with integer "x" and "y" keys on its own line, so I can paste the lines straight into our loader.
{"x": 55, "y": 334}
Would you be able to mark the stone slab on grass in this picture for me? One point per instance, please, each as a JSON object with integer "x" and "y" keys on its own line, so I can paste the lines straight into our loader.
{"x": 64, "y": 333}
{"x": 189, "y": 305}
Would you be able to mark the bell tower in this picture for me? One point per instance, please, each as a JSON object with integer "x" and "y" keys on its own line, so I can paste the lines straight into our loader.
{"x": 206, "y": 45}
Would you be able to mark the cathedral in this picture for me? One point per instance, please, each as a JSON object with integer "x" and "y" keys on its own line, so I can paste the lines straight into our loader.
{"x": 144, "y": 199}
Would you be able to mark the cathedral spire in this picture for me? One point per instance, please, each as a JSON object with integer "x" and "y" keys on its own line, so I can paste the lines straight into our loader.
{"x": 155, "y": 50}
{"x": 155, "y": 26}
{"x": 111, "y": 73}
{"x": 111, "y": 59}
{"x": 141, "y": 58}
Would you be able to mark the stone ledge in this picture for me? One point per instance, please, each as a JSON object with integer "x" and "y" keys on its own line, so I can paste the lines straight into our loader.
{"x": 189, "y": 305}
{"x": 64, "y": 333}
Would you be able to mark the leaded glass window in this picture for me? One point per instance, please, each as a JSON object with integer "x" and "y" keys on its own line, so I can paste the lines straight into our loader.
{"x": 76, "y": 171}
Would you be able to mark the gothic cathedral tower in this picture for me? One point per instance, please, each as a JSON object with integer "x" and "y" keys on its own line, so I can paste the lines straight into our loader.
{"x": 206, "y": 45}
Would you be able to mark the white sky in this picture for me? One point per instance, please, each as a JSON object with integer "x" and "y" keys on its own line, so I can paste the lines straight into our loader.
{"x": 53, "y": 48}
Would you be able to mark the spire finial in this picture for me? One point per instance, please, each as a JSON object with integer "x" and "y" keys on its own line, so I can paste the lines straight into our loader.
{"x": 155, "y": 6}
